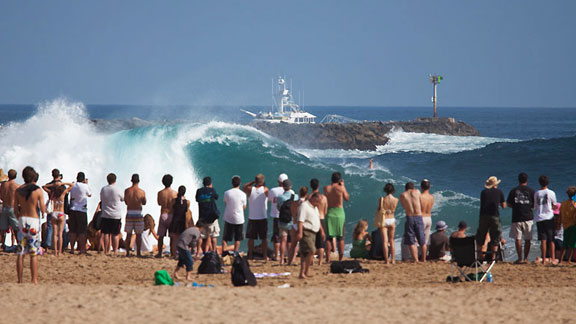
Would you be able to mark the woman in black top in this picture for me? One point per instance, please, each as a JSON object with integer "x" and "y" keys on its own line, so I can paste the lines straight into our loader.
{"x": 181, "y": 206}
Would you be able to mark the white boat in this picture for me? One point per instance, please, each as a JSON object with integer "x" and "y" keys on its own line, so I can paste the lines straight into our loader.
{"x": 285, "y": 110}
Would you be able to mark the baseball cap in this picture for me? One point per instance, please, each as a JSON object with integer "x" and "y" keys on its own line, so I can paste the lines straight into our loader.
{"x": 282, "y": 177}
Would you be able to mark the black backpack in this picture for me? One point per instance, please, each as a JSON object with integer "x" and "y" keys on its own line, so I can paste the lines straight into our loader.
{"x": 210, "y": 264}
{"x": 285, "y": 211}
{"x": 351, "y": 266}
{"x": 241, "y": 274}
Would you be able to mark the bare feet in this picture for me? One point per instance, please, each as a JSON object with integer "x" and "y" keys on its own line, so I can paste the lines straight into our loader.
{"x": 176, "y": 276}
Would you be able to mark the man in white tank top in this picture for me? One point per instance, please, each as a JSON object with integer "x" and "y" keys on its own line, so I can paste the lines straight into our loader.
{"x": 257, "y": 193}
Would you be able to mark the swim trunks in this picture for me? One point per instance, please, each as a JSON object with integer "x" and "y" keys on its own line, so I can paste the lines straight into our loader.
{"x": 308, "y": 243}
{"x": 7, "y": 219}
{"x": 164, "y": 224}
{"x": 569, "y": 237}
{"x": 29, "y": 241}
{"x": 414, "y": 230}
{"x": 134, "y": 222}
{"x": 335, "y": 218}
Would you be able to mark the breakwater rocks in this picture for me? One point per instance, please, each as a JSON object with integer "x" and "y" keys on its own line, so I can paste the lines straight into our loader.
{"x": 363, "y": 136}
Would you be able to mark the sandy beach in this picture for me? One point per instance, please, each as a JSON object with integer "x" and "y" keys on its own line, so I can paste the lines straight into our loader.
{"x": 97, "y": 288}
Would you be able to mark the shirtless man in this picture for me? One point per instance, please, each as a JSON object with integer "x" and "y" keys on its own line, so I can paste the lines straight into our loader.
{"x": 135, "y": 198}
{"x": 322, "y": 209}
{"x": 426, "y": 202}
{"x": 166, "y": 198}
{"x": 414, "y": 227}
{"x": 27, "y": 200}
{"x": 335, "y": 218}
{"x": 7, "y": 218}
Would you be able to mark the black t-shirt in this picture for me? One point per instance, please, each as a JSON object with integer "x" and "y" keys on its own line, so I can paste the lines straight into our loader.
{"x": 490, "y": 200}
{"x": 438, "y": 244}
{"x": 205, "y": 197}
{"x": 521, "y": 199}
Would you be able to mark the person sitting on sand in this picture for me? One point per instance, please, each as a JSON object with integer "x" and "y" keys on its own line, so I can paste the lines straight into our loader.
{"x": 308, "y": 226}
{"x": 27, "y": 201}
{"x": 148, "y": 233}
{"x": 165, "y": 199}
{"x": 568, "y": 221}
{"x": 385, "y": 222}
{"x": 336, "y": 194}
{"x": 461, "y": 232}
{"x": 439, "y": 243}
{"x": 414, "y": 226}
{"x": 135, "y": 198}
{"x": 58, "y": 191}
{"x": 361, "y": 241}
{"x": 186, "y": 244}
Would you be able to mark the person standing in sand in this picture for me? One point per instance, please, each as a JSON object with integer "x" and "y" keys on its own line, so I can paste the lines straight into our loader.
{"x": 385, "y": 222}
{"x": 521, "y": 200}
{"x": 414, "y": 226}
{"x": 165, "y": 199}
{"x": 57, "y": 191}
{"x": 257, "y": 194}
{"x": 111, "y": 198}
{"x": 544, "y": 202}
{"x": 28, "y": 199}
{"x": 322, "y": 209}
{"x": 78, "y": 218}
{"x": 187, "y": 242}
{"x": 275, "y": 213}
{"x": 308, "y": 226}
{"x": 426, "y": 203}
{"x": 568, "y": 222}
{"x": 491, "y": 198}
{"x": 335, "y": 217}
{"x": 135, "y": 198}
{"x": 235, "y": 201}
{"x": 7, "y": 217}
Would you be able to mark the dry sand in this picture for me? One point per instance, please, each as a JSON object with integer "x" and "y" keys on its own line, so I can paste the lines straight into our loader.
{"x": 97, "y": 288}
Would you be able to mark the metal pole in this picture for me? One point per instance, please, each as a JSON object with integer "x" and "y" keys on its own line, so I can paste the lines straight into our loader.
{"x": 435, "y": 99}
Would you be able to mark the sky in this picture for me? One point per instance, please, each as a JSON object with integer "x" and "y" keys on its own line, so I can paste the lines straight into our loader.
{"x": 345, "y": 53}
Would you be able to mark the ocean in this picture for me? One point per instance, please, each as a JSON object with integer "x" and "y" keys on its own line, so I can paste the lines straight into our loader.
{"x": 191, "y": 142}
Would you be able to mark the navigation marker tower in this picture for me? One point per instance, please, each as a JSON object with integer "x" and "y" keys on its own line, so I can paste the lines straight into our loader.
{"x": 435, "y": 79}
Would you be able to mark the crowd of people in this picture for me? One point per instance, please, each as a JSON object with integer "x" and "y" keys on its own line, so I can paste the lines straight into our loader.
{"x": 307, "y": 223}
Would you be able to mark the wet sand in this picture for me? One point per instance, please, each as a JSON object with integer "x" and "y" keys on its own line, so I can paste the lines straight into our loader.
{"x": 98, "y": 288}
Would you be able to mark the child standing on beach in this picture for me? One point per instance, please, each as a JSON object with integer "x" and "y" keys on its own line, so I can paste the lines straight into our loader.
{"x": 361, "y": 241}
{"x": 186, "y": 244}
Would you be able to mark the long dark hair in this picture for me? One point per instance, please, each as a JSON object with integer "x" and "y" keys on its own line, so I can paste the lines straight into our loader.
{"x": 181, "y": 193}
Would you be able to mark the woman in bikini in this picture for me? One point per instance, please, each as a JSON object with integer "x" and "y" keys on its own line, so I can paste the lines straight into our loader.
{"x": 385, "y": 222}
{"x": 57, "y": 192}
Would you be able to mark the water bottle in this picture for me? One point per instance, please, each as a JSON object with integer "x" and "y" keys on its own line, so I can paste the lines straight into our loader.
{"x": 489, "y": 277}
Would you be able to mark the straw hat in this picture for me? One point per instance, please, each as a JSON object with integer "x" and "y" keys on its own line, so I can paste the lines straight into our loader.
{"x": 3, "y": 176}
{"x": 491, "y": 182}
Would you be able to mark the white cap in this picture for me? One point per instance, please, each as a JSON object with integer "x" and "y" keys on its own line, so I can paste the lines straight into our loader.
{"x": 282, "y": 177}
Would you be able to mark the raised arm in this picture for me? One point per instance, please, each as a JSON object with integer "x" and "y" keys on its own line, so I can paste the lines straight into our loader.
{"x": 247, "y": 188}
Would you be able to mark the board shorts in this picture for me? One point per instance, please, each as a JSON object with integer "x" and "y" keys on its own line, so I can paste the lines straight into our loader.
{"x": 110, "y": 226}
{"x": 569, "y": 237}
{"x": 489, "y": 224}
{"x": 546, "y": 229}
{"x": 335, "y": 218}
{"x": 29, "y": 238}
{"x": 233, "y": 232}
{"x": 210, "y": 230}
{"x": 164, "y": 224}
{"x": 78, "y": 222}
{"x": 414, "y": 231}
{"x": 308, "y": 243}
{"x": 275, "y": 232}
{"x": 134, "y": 222}
{"x": 8, "y": 219}
{"x": 521, "y": 230}
{"x": 427, "y": 226}
{"x": 257, "y": 229}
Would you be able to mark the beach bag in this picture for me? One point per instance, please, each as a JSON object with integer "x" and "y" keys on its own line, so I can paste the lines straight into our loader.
{"x": 379, "y": 215}
{"x": 351, "y": 266}
{"x": 285, "y": 215}
{"x": 162, "y": 278}
{"x": 241, "y": 274}
{"x": 210, "y": 264}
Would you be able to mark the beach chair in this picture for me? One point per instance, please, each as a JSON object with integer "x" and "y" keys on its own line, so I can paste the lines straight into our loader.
{"x": 466, "y": 262}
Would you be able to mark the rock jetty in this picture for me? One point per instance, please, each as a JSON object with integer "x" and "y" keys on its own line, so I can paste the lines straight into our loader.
{"x": 364, "y": 136}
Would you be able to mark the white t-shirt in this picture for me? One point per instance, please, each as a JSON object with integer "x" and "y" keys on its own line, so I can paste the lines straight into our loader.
{"x": 273, "y": 194}
{"x": 544, "y": 200}
{"x": 258, "y": 203}
{"x": 111, "y": 198}
{"x": 309, "y": 216}
{"x": 147, "y": 238}
{"x": 79, "y": 197}
{"x": 235, "y": 200}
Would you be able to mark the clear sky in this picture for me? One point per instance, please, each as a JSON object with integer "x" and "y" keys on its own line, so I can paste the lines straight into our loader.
{"x": 371, "y": 53}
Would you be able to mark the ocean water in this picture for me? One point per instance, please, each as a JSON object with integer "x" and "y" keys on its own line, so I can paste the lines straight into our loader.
{"x": 193, "y": 142}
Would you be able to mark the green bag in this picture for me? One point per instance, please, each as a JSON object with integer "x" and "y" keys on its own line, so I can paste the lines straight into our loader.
{"x": 161, "y": 277}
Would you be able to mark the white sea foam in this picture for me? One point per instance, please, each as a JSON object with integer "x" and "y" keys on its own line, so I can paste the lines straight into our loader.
{"x": 401, "y": 141}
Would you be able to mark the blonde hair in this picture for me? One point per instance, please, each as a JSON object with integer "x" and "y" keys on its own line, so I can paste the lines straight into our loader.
{"x": 148, "y": 222}
{"x": 360, "y": 227}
